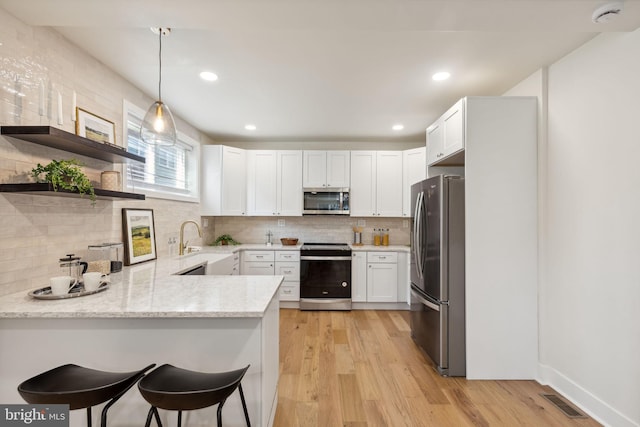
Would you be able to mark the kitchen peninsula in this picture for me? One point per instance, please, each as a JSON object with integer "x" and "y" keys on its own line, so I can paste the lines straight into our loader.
{"x": 150, "y": 315}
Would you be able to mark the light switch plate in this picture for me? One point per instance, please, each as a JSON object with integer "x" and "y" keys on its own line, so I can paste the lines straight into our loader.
{"x": 281, "y": 223}
{"x": 405, "y": 223}
{"x": 362, "y": 223}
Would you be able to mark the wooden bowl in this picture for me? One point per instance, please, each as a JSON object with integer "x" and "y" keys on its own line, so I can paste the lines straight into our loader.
{"x": 289, "y": 241}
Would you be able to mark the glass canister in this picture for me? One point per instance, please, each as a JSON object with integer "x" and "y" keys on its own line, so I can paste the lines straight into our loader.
{"x": 105, "y": 257}
{"x": 376, "y": 237}
{"x": 385, "y": 237}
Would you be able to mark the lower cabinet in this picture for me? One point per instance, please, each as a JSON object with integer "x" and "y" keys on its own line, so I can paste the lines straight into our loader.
{"x": 288, "y": 265}
{"x": 378, "y": 277}
{"x": 258, "y": 263}
{"x": 280, "y": 263}
{"x": 382, "y": 277}
{"x": 235, "y": 271}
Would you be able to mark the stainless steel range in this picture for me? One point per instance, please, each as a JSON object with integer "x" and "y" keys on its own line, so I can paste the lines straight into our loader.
{"x": 325, "y": 276}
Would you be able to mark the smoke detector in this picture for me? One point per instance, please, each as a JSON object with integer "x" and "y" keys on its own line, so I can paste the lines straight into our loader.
{"x": 607, "y": 13}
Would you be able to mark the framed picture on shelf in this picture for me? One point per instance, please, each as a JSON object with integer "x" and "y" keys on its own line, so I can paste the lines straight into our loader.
{"x": 139, "y": 235}
{"x": 94, "y": 127}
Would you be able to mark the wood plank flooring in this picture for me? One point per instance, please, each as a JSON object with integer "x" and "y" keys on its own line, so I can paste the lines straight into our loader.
{"x": 361, "y": 368}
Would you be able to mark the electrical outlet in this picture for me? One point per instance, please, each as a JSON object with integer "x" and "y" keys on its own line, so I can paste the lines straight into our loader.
{"x": 281, "y": 223}
{"x": 205, "y": 222}
{"x": 405, "y": 223}
{"x": 362, "y": 223}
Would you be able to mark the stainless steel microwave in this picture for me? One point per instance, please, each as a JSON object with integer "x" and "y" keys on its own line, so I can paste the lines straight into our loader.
{"x": 326, "y": 201}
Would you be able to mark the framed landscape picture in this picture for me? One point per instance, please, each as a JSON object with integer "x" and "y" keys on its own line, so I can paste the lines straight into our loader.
{"x": 139, "y": 235}
{"x": 95, "y": 128}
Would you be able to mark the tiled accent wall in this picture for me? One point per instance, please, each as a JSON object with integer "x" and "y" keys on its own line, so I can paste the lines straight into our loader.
{"x": 35, "y": 231}
{"x": 333, "y": 229}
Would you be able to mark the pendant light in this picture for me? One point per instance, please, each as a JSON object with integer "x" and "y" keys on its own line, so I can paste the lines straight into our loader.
{"x": 158, "y": 126}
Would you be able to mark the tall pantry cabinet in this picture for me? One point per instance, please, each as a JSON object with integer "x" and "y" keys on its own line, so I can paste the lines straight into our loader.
{"x": 495, "y": 140}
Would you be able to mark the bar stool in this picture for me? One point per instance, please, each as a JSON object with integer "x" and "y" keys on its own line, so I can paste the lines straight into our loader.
{"x": 79, "y": 387}
{"x": 177, "y": 389}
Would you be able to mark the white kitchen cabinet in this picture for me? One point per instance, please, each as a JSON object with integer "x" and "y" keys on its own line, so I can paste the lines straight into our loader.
{"x": 376, "y": 183}
{"x": 288, "y": 265}
{"x": 258, "y": 263}
{"x": 274, "y": 183}
{"x": 446, "y": 137}
{"x": 223, "y": 181}
{"x": 289, "y": 183}
{"x": 382, "y": 277}
{"x": 261, "y": 182}
{"x": 414, "y": 169}
{"x": 358, "y": 276}
{"x": 325, "y": 168}
{"x": 453, "y": 122}
{"x": 435, "y": 141}
{"x": 235, "y": 271}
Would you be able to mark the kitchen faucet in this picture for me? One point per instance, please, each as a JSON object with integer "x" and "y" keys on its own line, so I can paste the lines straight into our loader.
{"x": 183, "y": 246}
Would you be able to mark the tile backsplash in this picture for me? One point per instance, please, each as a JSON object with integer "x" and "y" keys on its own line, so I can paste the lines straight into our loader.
{"x": 334, "y": 229}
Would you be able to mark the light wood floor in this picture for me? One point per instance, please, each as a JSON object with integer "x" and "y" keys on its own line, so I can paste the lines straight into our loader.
{"x": 361, "y": 368}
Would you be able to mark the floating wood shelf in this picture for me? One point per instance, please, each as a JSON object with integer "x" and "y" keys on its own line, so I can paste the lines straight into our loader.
{"x": 46, "y": 189}
{"x": 62, "y": 140}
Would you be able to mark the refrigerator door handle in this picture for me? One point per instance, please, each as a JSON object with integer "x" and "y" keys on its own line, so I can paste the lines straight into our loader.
{"x": 417, "y": 233}
{"x": 424, "y": 301}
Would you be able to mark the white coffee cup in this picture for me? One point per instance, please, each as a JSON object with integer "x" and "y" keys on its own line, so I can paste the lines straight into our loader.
{"x": 92, "y": 280}
{"x": 61, "y": 285}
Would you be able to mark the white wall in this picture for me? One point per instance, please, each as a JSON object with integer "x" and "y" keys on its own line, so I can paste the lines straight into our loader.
{"x": 589, "y": 286}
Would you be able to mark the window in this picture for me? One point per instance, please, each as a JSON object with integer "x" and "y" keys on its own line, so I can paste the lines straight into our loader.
{"x": 169, "y": 172}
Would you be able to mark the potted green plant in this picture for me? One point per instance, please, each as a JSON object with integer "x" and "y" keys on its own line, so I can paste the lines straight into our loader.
{"x": 225, "y": 239}
{"x": 65, "y": 174}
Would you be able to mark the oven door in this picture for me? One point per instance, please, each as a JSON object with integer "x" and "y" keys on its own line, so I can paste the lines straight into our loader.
{"x": 325, "y": 277}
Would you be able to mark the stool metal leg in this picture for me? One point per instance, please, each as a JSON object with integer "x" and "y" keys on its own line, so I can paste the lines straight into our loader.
{"x": 89, "y": 416}
{"x": 220, "y": 413}
{"x": 179, "y": 418}
{"x": 244, "y": 406}
{"x": 153, "y": 412}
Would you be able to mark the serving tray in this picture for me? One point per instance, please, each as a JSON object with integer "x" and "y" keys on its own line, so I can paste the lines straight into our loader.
{"x": 76, "y": 291}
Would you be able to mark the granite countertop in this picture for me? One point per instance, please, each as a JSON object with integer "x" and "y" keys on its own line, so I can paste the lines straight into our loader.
{"x": 372, "y": 248}
{"x": 151, "y": 290}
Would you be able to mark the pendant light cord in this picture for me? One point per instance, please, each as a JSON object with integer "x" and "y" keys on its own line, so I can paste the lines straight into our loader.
{"x": 160, "y": 70}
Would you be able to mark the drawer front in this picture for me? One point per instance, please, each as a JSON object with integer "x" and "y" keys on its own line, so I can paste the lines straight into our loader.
{"x": 290, "y": 291}
{"x": 382, "y": 257}
{"x": 287, "y": 255}
{"x": 257, "y": 268}
{"x": 290, "y": 270}
{"x": 259, "y": 256}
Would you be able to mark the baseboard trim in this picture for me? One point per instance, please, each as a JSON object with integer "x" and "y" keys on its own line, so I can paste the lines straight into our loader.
{"x": 597, "y": 409}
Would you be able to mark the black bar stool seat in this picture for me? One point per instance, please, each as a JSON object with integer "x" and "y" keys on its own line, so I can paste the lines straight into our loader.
{"x": 177, "y": 389}
{"x": 79, "y": 387}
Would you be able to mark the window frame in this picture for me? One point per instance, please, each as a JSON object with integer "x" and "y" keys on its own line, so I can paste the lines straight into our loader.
{"x": 192, "y": 164}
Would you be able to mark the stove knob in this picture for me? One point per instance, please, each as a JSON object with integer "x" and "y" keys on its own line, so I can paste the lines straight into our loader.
{"x": 345, "y": 284}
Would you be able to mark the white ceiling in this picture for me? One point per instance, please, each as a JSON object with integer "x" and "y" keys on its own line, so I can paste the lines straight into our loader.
{"x": 320, "y": 70}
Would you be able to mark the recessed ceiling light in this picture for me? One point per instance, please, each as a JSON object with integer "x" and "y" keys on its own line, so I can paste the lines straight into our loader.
{"x": 250, "y": 127}
{"x": 397, "y": 126}
{"x": 442, "y": 75}
{"x": 208, "y": 76}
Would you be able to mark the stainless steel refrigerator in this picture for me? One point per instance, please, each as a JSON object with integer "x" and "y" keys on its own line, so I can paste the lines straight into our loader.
{"x": 437, "y": 272}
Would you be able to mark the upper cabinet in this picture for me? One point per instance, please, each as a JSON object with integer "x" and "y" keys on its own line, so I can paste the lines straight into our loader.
{"x": 223, "y": 181}
{"x": 414, "y": 169}
{"x": 446, "y": 137}
{"x": 376, "y": 183}
{"x": 274, "y": 183}
{"x": 325, "y": 169}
